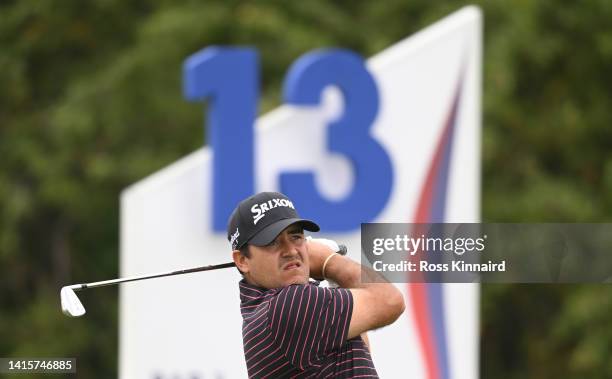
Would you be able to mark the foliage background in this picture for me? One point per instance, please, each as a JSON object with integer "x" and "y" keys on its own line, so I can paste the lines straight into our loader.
{"x": 90, "y": 102}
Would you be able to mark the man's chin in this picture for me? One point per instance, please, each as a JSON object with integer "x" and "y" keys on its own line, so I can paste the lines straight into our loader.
{"x": 296, "y": 279}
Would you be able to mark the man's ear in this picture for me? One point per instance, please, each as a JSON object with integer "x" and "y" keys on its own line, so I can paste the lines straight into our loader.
{"x": 241, "y": 261}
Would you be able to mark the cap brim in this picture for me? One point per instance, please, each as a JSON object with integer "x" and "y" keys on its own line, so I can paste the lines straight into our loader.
{"x": 270, "y": 232}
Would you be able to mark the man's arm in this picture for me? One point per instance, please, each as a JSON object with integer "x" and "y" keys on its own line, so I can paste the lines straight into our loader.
{"x": 376, "y": 303}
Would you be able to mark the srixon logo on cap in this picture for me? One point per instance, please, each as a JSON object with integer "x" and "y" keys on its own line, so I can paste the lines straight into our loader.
{"x": 259, "y": 210}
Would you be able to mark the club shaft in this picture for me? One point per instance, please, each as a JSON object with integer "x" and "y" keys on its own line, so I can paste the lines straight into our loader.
{"x": 111, "y": 282}
{"x": 342, "y": 250}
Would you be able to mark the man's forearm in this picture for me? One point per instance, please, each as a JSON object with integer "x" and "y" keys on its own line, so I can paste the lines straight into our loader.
{"x": 340, "y": 269}
{"x": 350, "y": 274}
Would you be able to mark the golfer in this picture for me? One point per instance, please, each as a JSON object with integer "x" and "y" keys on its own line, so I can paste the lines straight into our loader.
{"x": 291, "y": 326}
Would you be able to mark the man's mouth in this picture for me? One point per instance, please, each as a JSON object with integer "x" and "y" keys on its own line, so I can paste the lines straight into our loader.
{"x": 292, "y": 265}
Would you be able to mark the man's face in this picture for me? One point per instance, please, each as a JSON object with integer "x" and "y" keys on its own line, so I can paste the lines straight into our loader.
{"x": 282, "y": 262}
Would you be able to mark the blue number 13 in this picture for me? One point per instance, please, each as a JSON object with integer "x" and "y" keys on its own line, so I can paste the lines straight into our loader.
{"x": 229, "y": 78}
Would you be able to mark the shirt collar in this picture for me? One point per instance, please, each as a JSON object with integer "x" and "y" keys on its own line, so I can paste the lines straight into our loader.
{"x": 250, "y": 293}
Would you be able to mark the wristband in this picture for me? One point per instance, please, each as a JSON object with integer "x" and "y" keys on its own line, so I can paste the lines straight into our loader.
{"x": 325, "y": 264}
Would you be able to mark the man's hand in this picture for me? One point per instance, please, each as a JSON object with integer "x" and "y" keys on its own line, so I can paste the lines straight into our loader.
{"x": 319, "y": 250}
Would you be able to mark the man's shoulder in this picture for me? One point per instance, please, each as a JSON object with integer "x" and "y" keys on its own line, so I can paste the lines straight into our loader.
{"x": 293, "y": 289}
{"x": 310, "y": 294}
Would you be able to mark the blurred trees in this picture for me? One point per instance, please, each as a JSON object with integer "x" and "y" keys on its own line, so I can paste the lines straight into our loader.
{"x": 90, "y": 102}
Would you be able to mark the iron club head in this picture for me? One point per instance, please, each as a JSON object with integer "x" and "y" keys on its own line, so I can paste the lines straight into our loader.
{"x": 71, "y": 305}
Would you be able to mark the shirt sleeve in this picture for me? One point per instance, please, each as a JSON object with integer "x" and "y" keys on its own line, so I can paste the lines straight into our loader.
{"x": 308, "y": 322}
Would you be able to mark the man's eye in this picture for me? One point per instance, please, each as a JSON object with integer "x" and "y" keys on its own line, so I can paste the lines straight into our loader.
{"x": 273, "y": 243}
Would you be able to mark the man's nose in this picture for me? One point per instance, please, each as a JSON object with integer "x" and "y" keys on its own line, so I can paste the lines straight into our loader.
{"x": 288, "y": 248}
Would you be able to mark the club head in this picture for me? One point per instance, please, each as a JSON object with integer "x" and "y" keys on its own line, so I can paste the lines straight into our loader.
{"x": 71, "y": 305}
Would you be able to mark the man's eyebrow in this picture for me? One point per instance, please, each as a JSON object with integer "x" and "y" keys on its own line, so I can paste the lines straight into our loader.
{"x": 295, "y": 230}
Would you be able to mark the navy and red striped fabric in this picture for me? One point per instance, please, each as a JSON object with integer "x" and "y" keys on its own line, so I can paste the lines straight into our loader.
{"x": 300, "y": 331}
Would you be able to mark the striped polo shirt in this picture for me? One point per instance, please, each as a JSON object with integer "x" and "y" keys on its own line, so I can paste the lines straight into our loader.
{"x": 300, "y": 331}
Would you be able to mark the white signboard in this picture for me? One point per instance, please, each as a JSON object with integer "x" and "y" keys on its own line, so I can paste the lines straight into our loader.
{"x": 427, "y": 123}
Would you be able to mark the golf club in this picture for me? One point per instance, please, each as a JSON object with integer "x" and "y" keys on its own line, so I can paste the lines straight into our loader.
{"x": 71, "y": 305}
